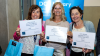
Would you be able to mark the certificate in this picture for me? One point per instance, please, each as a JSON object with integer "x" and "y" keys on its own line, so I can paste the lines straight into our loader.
{"x": 83, "y": 40}
{"x": 56, "y": 34}
{"x": 30, "y": 27}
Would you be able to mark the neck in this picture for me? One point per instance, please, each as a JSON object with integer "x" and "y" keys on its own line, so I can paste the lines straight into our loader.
{"x": 57, "y": 19}
{"x": 79, "y": 23}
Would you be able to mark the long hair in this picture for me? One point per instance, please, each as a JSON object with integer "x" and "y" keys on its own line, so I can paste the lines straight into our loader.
{"x": 63, "y": 17}
{"x": 32, "y": 8}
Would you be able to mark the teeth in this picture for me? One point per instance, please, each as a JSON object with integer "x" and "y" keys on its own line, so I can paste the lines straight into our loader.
{"x": 35, "y": 17}
{"x": 75, "y": 18}
{"x": 57, "y": 12}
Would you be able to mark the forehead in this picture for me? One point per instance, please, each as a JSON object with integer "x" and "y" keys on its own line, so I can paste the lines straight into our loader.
{"x": 74, "y": 10}
{"x": 37, "y": 9}
{"x": 57, "y": 5}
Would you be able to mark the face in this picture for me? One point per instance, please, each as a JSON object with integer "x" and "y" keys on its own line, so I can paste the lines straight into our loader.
{"x": 35, "y": 14}
{"x": 75, "y": 15}
{"x": 57, "y": 10}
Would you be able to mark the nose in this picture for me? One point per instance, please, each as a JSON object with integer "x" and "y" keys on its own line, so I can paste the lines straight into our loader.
{"x": 74, "y": 15}
{"x": 35, "y": 13}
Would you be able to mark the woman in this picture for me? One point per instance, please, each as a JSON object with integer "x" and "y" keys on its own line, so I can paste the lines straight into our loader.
{"x": 81, "y": 26}
{"x": 57, "y": 19}
{"x": 28, "y": 42}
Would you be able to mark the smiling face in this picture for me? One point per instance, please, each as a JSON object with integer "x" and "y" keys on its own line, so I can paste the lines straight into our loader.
{"x": 75, "y": 15}
{"x": 35, "y": 14}
{"x": 57, "y": 10}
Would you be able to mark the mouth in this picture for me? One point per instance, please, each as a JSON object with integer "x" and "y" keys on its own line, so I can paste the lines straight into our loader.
{"x": 57, "y": 12}
{"x": 35, "y": 17}
{"x": 75, "y": 18}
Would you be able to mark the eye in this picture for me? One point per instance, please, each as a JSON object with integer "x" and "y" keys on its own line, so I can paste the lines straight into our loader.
{"x": 59, "y": 8}
{"x": 33, "y": 12}
{"x": 55, "y": 8}
{"x": 37, "y": 11}
{"x": 76, "y": 13}
{"x": 72, "y": 14}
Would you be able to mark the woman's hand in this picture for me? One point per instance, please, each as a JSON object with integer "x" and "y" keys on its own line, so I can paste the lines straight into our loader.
{"x": 42, "y": 36}
{"x": 69, "y": 35}
{"x": 18, "y": 31}
{"x": 70, "y": 40}
{"x": 86, "y": 50}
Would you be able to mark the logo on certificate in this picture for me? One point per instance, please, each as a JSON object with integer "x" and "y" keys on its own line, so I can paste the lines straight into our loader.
{"x": 23, "y": 33}
{"x": 47, "y": 37}
{"x": 74, "y": 43}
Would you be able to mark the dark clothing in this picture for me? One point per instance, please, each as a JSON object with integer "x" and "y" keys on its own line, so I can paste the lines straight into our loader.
{"x": 78, "y": 54}
{"x": 98, "y": 40}
{"x": 24, "y": 54}
{"x": 0, "y": 49}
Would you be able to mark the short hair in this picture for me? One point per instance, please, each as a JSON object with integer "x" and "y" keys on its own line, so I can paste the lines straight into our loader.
{"x": 63, "y": 17}
{"x": 78, "y": 8}
{"x": 32, "y": 8}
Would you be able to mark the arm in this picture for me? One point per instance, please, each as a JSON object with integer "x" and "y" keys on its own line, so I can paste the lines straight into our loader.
{"x": 16, "y": 36}
{"x": 90, "y": 26}
{"x": 42, "y": 35}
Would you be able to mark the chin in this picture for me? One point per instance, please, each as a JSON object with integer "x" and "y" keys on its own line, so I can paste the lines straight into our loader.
{"x": 34, "y": 18}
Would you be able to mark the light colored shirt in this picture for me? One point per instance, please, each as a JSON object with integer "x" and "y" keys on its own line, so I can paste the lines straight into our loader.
{"x": 57, "y": 46}
{"x": 75, "y": 49}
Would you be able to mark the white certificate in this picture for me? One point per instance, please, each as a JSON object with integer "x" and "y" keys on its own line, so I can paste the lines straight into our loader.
{"x": 56, "y": 34}
{"x": 83, "y": 40}
{"x": 30, "y": 27}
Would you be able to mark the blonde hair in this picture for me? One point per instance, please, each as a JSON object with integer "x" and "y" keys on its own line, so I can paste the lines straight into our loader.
{"x": 63, "y": 17}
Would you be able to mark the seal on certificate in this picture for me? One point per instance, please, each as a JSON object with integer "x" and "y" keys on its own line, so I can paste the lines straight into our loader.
{"x": 47, "y": 37}
{"x": 74, "y": 43}
{"x": 23, "y": 33}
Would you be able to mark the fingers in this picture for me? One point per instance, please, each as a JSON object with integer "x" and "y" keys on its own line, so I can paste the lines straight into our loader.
{"x": 44, "y": 40}
{"x": 69, "y": 34}
{"x": 86, "y": 50}
{"x": 42, "y": 35}
{"x": 71, "y": 40}
{"x": 18, "y": 31}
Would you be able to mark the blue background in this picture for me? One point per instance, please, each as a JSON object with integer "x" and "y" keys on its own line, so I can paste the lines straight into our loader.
{"x": 46, "y": 6}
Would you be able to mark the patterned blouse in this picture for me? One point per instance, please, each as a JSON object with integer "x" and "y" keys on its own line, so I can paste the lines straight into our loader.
{"x": 28, "y": 42}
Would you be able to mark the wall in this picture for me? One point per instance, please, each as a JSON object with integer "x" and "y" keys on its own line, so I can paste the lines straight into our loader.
{"x": 92, "y": 11}
{"x": 9, "y": 17}
{"x": 3, "y": 26}
{"x": 13, "y": 17}
{"x": 91, "y": 2}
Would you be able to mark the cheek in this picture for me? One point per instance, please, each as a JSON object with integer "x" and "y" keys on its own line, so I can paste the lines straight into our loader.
{"x": 72, "y": 17}
{"x": 38, "y": 15}
{"x": 32, "y": 14}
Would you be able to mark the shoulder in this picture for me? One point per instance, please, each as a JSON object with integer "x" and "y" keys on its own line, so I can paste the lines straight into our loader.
{"x": 66, "y": 22}
{"x": 47, "y": 20}
{"x": 88, "y": 23}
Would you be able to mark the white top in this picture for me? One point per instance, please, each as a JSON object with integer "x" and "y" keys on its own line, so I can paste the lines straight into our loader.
{"x": 76, "y": 49}
{"x": 28, "y": 44}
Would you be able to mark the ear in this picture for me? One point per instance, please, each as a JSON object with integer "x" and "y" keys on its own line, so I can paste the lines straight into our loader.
{"x": 53, "y": 11}
{"x": 81, "y": 15}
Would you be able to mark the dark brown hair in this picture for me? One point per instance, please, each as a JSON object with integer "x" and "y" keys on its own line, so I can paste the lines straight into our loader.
{"x": 32, "y": 8}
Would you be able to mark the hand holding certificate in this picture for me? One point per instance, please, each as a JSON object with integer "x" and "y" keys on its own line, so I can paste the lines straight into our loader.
{"x": 56, "y": 34}
{"x": 30, "y": 27}
{"x": 83, "y": 40}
